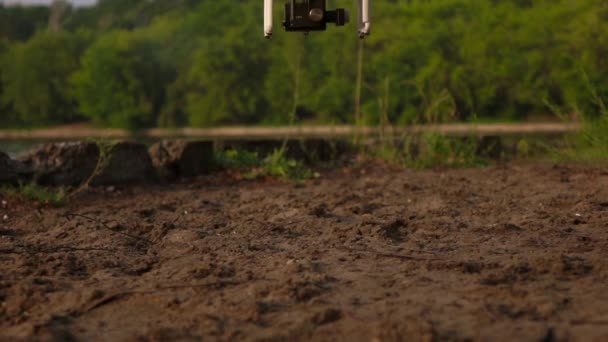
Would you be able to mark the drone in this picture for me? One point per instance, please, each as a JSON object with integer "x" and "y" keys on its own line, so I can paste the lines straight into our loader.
{"x": 313, "y": 15}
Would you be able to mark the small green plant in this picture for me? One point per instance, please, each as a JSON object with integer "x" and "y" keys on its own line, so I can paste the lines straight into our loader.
{"x": 34, "y": 192}
{"x": 590, "y": 143}
{"x": 105, "y": 154}
{"x": 431, "y": 150}
{"x": 236, "y": 159}
{"x": 523, "y": 148}
{"x": 276, "y": 164}
{"x": 441, "y": 151}
{"x": 425, "y": 149}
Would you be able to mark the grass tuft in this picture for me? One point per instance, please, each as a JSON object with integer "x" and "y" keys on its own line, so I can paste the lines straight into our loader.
{"x": 276, "y": 164}
{"x": 590, "y": 144}
{"x": 433, "y": 150}
{"x": 34, "y": 192}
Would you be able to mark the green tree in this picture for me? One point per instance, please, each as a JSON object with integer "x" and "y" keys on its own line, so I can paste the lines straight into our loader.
{"x": 224, "y": 81}
{"x": 122, "y": 81}
{"x": 35, "y": 77}
{"x": 189, "y": 62}
{"x": 19, "y": 23}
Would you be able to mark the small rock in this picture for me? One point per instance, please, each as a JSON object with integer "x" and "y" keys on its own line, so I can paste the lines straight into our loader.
{"x": 512, "y": 227}
{"x": 73, "y": 163}
{"x": 127, "y": 162}
{"x": 576, "y": 266}
{"x": 392, "y": 230}
{"x": 327, "y": 316}
{"x": 472, "y": 267}
{"x": 62, "y": 164}
{"x": 181, "y": 158}
{"x": 321, "y": 210}
{"x": 8, "y": 170}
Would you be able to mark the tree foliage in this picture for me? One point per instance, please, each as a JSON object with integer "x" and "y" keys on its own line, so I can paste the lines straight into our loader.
{"x": 121, "y": 82}
{"x": 203, "y": 63}
{"x": 18, "y": 23}
{"x": 35, "y": 78}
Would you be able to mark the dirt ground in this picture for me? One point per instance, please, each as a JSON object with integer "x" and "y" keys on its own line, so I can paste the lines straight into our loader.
{"x": 503, "y": 253}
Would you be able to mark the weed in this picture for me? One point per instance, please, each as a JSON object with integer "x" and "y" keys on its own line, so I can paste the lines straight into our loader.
{"x": 105, "y": 154}
{"x": 276, "y": 164}
{"x": 437, "y": 150}
{"x": 432, "y": 150}
{"x": 236, "y": 159}
{"x": 523, "y": 148}
{"x": 590, "y": 144}
{"x": 34, "y": 192}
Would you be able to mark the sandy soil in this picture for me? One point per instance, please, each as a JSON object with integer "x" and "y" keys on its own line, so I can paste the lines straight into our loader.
{"x": 514, "y": 252}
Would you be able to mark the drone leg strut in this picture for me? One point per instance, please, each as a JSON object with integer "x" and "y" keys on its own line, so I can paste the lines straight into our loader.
{"x": 364, "y": 18}
{"x": 268, "y": 18}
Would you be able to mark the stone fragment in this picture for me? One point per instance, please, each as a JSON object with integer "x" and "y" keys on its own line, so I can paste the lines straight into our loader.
{"x": 8, "y": 169}
{"x": 124, "y": 163}
{"x": 182, "y": 158}
{"x": 62, "y": 164}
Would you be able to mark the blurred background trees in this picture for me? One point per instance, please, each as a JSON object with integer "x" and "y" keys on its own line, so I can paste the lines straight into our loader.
{"x": 122, "y": 81}
{"x": 36, "y": 78}
{"x": 167, "y": 63}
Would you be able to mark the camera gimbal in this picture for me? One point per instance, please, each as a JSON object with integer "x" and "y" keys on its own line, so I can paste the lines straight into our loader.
{"x": 313, "y": 15}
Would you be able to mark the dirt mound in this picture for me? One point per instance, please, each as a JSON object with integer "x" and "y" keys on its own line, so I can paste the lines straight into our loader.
{"x": 505, "y": 253}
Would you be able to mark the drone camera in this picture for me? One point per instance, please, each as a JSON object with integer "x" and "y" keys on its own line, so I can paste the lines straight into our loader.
{"x": 312, "y": 15}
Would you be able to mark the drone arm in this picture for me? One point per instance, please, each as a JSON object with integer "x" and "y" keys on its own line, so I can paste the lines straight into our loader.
{"x": 364, "y": 18}
{"x": 268, "y": 18}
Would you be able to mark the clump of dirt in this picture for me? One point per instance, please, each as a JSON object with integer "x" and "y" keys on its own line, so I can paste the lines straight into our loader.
{"x": 509, "y": 252}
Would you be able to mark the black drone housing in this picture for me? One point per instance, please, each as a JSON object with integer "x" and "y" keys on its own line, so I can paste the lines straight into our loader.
{"x": 311, "y": 15}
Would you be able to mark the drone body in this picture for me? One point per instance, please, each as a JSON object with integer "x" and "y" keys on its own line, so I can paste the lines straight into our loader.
{"x": 313, "y": 15}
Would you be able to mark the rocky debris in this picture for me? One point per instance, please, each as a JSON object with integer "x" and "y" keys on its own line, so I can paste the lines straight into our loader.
{"x": 73, "y": 163}
{"x": 62, "y": 164}
{"x": 182, "y": 158}
{"x": 122, "y": 163}
{"x": 8, "y": 169}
